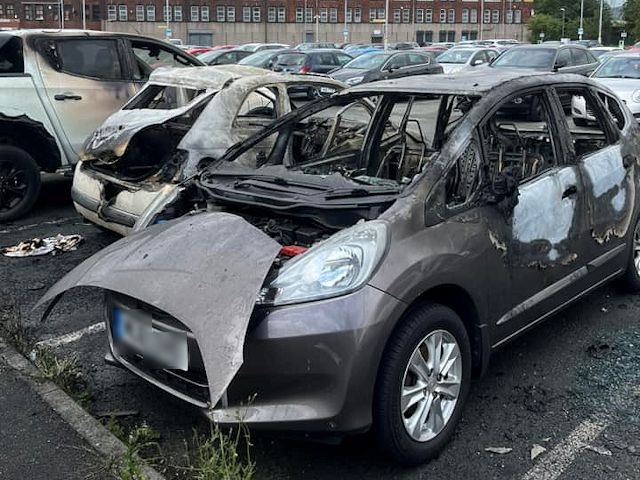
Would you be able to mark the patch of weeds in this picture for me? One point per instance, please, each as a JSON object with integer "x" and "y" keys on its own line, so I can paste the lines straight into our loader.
{"x": 222, "y": 455}
{"x": 12, "y": 329}
{"x": 63, "y": 372}
{"x": 141, "y": 442}
{"x": 115, "y": 427}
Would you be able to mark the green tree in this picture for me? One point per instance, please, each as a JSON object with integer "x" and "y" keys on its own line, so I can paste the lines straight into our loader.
{"x": 548, "y": 18}
{"x": 632, "y": 17}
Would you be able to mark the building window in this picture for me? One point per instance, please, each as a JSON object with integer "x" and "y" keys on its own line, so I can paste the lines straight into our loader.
{"x": 465, "y": 15}
{"x": 428, "y": 16}
{"x": 495, "y": 16}
{"x": 406, "y": 15}
{"x": 112, "y": 13}
{"x": 166, "y": 14}
{"x": 2, "y": 10}
{"x": 487, "y": 16}
{"x": 381, "y": 14}
{"x": 256, "y": 14}
{"x": 508, "y": 16}
{"x": 151, "y": 13}
{"x": 271, "y": 14}
{"x": 282, "y": 15}
{"x": 220, "y": 13}
{"x": 11, "y": 12}
{"x": 122, "y": 13}
{"x": 299, "y": 15}
{"x": 396, "y": 15}
{"x": 420, "y": 15}
{"x": 177, "y": 13}
{"x": 324, "y": 15}
{"x": 452, "y": 16}
{"x": 443, "y": 15}
{"x": 473, "y": 16}
{"x": 333, "y": 15}
{"x": 139, "y": 13}
{"x": 204, "y": 14}
{"x": 309, "y": 15}
{"x": 231, "y": 14}
{"x": 372, "y": 14}
{"x": 349, "y": 18}
{"x": 246, "y": 14}
{"x": 517, "y": 16}
{"x": 28, "y": 12}
{"x": 357, "y": 15}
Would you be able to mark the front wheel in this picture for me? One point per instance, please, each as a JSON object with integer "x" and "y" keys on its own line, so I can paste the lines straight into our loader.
{"x": 422, "y": 385}
{"x": 19, "y": 182}
{"x": 630, "y": 281}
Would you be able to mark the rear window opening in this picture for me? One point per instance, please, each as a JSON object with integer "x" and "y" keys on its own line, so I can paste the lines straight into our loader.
{"x": 161, "y": 97}
{"x": 11, "y": 56}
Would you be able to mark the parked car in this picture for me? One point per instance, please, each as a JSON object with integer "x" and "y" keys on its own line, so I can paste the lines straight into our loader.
{"x": 598, "y": 52}
{"x": 315, "y": 45}
{"x": 310, "y": 61}
{"x": 385, "y": 64}
{"x": 548, "y": 58}
{"x": 356, "y": 51}
{"x": 403, "y": 45}
{"x": 56, "y": 88}
{"x": 223, "y": 57}
{"x": 458, "y": 58}
{"x": 621, "y": 74}
{"x": 258, "y": 47}
{"x": 141, "y": 153}
{"x": 362, "y": 274}
{"x": 197, "y": 50}
{"x": 265, "y": 58}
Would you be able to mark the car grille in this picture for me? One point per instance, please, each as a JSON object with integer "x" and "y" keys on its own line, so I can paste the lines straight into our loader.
{"x": 190, "y": 385}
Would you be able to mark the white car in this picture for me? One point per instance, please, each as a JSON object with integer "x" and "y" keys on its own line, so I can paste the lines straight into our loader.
{"x": 621, "y": 73}
{"x": 458, "y": 58}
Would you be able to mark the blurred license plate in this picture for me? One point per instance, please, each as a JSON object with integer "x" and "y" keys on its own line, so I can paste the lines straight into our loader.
{"x": 327, "y": 90}
{"x": 132, "y": 328}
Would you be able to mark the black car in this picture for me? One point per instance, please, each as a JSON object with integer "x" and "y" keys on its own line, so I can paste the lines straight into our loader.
{"x": 311, "y": 61}
{"x": 223, "y": 57}
{"x": 571, "y": 58}
{"x": 386, "y": 64}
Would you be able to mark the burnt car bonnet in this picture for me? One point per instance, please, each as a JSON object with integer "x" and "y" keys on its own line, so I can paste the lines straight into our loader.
{"x": 205, "y": 270}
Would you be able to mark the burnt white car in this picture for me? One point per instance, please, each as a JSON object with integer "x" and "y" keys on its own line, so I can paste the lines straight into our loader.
{"x": 365, "y": 270}
{"x": 141, "y": 154}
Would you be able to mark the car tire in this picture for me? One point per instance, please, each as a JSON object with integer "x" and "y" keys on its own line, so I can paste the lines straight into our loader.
{"x": 429, "y": 419}
{"x": 19, "y": 182}
{"x": 630, "y": 280}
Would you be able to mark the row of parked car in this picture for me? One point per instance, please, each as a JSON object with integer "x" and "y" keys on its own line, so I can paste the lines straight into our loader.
{"x": 350, "y": 263}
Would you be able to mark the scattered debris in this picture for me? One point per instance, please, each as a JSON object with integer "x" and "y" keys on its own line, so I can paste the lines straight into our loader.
{"x": 537, "y": 450}
{"x": 545, "y": 440}
{"x": 43, "y": 246}
{"x": 499, "y": 450}
{"x": 599, "y": 350}
{"x": 36, "y": 286}
{"x": 604, "y": 309}
{"x": 598, "y": 450}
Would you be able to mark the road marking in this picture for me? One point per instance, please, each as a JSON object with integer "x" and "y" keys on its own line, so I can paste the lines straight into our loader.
{"x": 71, "y": 337}
{"x": 554, "y": 463}
{"x": 34, "y": 225}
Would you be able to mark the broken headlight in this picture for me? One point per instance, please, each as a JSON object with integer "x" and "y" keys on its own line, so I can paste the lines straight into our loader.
{"x": 337, "y": 266}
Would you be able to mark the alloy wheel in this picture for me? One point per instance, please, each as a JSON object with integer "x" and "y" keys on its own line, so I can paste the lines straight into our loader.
{"x": 13, "y": 185}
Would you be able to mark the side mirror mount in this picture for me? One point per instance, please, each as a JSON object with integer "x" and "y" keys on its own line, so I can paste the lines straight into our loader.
{"x": 477, "y": 61}
{"x": 559, "y": 65}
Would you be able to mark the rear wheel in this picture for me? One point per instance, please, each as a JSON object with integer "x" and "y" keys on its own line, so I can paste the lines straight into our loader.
{"x": 19, "y": 182}
{"x": 423, "y": 384}
{"x": 630, "y": 281}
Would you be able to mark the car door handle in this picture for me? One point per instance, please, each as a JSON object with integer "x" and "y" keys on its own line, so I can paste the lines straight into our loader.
{"x": 570, "y": 191}
{"x": 67, "y": 96}
{"x": 628, "y": 160}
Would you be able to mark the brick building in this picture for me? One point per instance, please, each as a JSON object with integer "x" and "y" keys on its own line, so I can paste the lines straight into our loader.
{"x": 211, "y": 22}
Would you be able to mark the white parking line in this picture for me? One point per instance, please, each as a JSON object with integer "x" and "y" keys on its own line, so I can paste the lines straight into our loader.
{"x": 34, "y": 225}
{"x": 71, "y": 337}
{"x": 554, "y": 463}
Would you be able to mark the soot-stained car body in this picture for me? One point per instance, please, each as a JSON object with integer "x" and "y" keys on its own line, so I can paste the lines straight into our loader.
{"x": 363, "y": 270}
{"x": 158, "y": 139}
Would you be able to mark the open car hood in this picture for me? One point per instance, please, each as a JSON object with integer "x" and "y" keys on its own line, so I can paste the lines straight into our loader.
{"x": 206, "y": 271}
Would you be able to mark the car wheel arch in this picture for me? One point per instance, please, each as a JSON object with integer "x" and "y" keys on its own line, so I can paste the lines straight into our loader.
{"x": 32, "y": 137}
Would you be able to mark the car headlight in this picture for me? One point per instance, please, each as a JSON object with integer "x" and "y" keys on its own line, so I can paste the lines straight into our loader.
{"x": 354, "y": 80}
{"x": 337, "y": 266}
{"x": 635, "y": 96}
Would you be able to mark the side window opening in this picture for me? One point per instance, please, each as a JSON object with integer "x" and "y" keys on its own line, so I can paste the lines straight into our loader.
{"x": 90, "y": 57}
{"x": 149, "y": 56}
{"x": 584, "y": 121}
{"x": 613, "y": 107}
{"x": 463, "y": 179}
{"x": 11, "y": 56}
{"x": 259, "y": 104}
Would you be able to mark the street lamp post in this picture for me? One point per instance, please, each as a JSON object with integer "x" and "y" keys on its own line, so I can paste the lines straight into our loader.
{"x": 345, "y": 33}
{"x": 62, "y": 14}
{"x": 304, "y": 19}
{"x": 600, "y": 23}
{"x": 166, "y": 13}
{"x": 386, "y": 24}
{"x": 563, "y": 10}
{"x": 481, "y": 19}
{"x": 581, "y": 30}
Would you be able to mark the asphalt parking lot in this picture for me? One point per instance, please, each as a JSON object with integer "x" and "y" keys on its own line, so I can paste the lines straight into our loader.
{"x": 571, "y": 386}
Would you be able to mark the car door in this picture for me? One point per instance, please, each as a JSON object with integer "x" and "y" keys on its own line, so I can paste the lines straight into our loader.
{"x": 545, "y": 219}
{"x": 395, "y": 66}
{"x": 479, "y": 58}
{"x": 84, "y": 79}
{"x": 581, "y": 61}
{"x": 606, "y": 164}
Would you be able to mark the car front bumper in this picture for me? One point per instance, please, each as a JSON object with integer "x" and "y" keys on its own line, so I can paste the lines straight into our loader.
{"x": 310, "y": 367}
{"x": 112, "y": 203}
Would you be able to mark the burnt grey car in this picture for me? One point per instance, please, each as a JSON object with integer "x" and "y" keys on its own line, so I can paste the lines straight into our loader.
{"x": 358, "y": 273}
